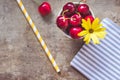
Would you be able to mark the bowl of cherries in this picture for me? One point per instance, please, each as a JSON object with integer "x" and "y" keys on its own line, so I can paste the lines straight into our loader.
{"x": 70, "y": 18}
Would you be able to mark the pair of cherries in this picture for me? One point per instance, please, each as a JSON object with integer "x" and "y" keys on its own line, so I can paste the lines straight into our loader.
{"x": 71, "y": 17}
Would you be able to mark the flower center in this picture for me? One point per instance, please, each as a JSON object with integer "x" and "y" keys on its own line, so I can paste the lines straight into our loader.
{"x": 91, "y": 30}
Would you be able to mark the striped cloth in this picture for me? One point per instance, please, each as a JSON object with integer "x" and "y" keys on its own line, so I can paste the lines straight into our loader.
{"x": 101, "y": 62}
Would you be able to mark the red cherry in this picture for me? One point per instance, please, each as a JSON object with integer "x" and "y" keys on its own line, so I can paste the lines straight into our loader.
{"x": 74, "y": 32}
{"x": 44, "y": 9}
{"x": 62, "y": 22}
{"x": 69, "y": 9}
{"x": 83, "y": 9}
{"x": 75, "y": 19}
{"x": 89, "y": 17}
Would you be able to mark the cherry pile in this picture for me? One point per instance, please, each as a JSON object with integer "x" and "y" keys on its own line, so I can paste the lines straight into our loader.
{"x": 70, "y": 18}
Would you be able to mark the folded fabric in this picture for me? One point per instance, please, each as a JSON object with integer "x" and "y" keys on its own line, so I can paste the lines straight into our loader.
{"x": 102, "y": 61}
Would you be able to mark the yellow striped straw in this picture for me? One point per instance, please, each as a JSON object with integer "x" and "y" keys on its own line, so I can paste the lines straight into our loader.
{"x": 38, "y": 35}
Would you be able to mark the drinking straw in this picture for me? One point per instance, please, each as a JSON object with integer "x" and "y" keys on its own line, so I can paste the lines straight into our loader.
{"x": 35, "y": 30}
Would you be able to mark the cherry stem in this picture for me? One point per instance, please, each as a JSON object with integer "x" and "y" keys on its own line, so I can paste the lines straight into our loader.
{"x": 64, "y": 12}
{"x": 84, "y": 1}
{"x": 78, "y": 13}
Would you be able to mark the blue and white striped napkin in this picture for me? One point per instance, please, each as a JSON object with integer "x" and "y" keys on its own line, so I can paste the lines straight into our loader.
{"x": 101, "y": 62}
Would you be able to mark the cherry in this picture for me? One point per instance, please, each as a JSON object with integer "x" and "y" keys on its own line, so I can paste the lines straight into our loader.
{"x": 44, "y": 9}
{"x": 89, "y": 17}
{"x": 75, "y": 19}
{"x": 62, "y": 22}
{"x": 83, "y": 9}
{"x": 69, "y": 8}
{"x": 74, "y": 32}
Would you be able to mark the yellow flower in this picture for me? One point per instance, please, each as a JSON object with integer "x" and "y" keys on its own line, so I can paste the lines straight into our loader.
{"x": 93, "y": 31}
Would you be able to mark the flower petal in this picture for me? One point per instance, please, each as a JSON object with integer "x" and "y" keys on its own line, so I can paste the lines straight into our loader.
{"x": 98, "y": 26}
{"x": 84, "y": 21}
{"x": 82, "y": 33}
{"x": 85, "y": 24}
{"x": 89, "y": 23}
{"x": 94, "y": 39}
{"x": 100, "y": 34}
{"x": 87, "y": 38}
{"x": 100, "y": 29}
{"x": 87, "y": 41}
{"x": 95, "y": 23}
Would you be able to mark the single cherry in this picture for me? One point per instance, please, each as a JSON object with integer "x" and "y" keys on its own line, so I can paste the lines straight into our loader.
{"x": 75, "y": 20}
{"x": 62, "y": 22}
{"x": 74, "y": 32}
{"x": 89, "y": 17}
{"x": 69, "y": 9}
{"x": 83, "y": 9}
{"x": 44, "y": 9}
